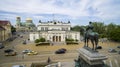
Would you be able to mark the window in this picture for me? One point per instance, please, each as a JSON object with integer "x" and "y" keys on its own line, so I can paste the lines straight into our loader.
{"x": 42, "y": 28}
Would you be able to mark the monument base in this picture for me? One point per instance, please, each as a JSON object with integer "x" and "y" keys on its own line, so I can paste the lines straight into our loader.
{"x": 89, "y": 58}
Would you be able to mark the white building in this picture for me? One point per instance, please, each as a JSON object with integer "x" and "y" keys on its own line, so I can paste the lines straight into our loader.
{"x": 54, "y": 32}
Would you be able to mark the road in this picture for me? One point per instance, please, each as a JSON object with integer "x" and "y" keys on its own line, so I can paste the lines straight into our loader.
{"x": 45, "y": 52}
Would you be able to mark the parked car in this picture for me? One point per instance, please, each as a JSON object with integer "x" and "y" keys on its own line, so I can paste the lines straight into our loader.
{"x": 1, "y": 46}
{"x": 118, "y": 46}
{"x": 18, "y": 66}
{"x": 26, "y": 51}
{"x": 60, "y": 51}
{"x": 32, "y": 53}
{"x": 111, "y": 50}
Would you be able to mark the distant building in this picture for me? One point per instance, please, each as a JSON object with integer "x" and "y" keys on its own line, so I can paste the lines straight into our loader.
{"x": 5, "y": 30}
{"x": 28, "y": 25}
{"x": 54, "y": 31}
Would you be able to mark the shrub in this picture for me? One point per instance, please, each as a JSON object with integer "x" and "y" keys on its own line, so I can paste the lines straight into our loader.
{"x": 71, "y": 43}
{"x": 43, "y": 43}
{"x": 40, "y": 40}
{"x": 37, "y": 41}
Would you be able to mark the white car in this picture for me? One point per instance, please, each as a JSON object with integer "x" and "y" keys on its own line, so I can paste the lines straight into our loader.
{"x": 26, "y": 51}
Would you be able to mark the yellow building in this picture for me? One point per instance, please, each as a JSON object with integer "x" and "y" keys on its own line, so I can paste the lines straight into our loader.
{"x": 5, "y": 30}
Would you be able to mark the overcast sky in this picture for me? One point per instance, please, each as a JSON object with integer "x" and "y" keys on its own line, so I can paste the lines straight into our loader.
{"x": 79, "y": 12}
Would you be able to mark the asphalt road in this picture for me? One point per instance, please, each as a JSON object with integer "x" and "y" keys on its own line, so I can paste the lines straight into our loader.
{"x": 112, "y": 61}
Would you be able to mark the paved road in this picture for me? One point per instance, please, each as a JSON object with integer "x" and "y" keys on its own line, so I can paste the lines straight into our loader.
{"x": 113, "y": 58}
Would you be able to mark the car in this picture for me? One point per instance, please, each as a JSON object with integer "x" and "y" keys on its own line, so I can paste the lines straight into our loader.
{"x": 26, "y": 51}
{"x": 8, "y": 51}
{"x": 18, "y": 66}
{"x": 111, "y": 50}
{"x": 60, "y": 51}
{"x": 1, "y": 46}
{"x": 118, "y": 46}
{"x": 32, "y": 53}
{"x": 11, "y": 54}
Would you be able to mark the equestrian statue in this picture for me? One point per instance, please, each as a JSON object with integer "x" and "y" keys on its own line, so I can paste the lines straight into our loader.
{"x": 89, "y": 34}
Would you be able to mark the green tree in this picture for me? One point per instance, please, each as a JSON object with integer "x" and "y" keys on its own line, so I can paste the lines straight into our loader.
{"x": 76, "y": 28}
{"x": 13, "y": 29}
{"x": 109, "y": 28}
{"x": 115, "y": 34}
{"x": 99, "y": 27}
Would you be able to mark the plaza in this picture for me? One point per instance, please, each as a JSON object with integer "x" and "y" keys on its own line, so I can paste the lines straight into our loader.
{"x": 49, "y": 51}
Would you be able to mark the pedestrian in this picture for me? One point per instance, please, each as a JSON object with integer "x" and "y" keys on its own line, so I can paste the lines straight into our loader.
{"x": 49, "y": 60}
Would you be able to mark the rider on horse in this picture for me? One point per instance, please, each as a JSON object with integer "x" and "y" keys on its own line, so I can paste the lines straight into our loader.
{"x": 90, "y": 34}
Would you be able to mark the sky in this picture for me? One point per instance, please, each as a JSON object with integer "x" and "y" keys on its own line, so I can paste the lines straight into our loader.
{"x": 78, "y": 12}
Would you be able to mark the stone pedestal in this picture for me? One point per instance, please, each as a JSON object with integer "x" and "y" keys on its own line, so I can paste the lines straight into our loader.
{"x": 89, "y": 58}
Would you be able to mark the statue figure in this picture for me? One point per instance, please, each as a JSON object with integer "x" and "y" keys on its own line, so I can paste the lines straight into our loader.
{"x": 90, "y": 34}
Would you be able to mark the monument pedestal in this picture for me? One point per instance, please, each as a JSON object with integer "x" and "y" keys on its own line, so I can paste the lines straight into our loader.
{"x": 88, "y": 58}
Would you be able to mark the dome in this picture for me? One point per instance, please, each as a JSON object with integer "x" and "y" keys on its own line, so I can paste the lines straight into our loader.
{"x": 29, "y": 19}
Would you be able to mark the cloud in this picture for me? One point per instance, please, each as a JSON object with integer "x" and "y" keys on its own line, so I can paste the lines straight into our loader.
{"x": 69, "y": 9}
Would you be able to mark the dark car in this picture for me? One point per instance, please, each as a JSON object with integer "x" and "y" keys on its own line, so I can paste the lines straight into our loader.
{"x": 60, "y": 51}
{"x": 1, "y": 46}
{"x": 118, "y": 46}
{"x": 8, "y": 50}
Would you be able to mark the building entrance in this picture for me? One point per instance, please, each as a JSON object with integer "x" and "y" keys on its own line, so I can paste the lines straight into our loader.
{"x": 56, "y": 38}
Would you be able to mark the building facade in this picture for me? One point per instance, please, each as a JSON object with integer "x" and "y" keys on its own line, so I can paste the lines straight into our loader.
{"x": 54, "y": 31}
{"x": 24, "y": 26}
{"x": 5, "y": 30}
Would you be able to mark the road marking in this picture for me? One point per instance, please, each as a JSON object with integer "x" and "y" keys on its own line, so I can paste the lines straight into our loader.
{"x": 110, "y": 63}
{"x": 116, "y": 62}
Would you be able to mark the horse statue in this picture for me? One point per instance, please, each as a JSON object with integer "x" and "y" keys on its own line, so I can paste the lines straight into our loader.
{"x": 92, "y": 36}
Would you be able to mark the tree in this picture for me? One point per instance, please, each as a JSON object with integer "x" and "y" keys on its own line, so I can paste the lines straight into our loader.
{"x": 13, "y": 29}
{"x": 109, "y": 28}
{"x": 75, "y": 28}
{"x": 115, "y": 34}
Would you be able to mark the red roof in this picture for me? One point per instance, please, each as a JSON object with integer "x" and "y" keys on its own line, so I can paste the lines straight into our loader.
{"x": 4, "y": 22}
